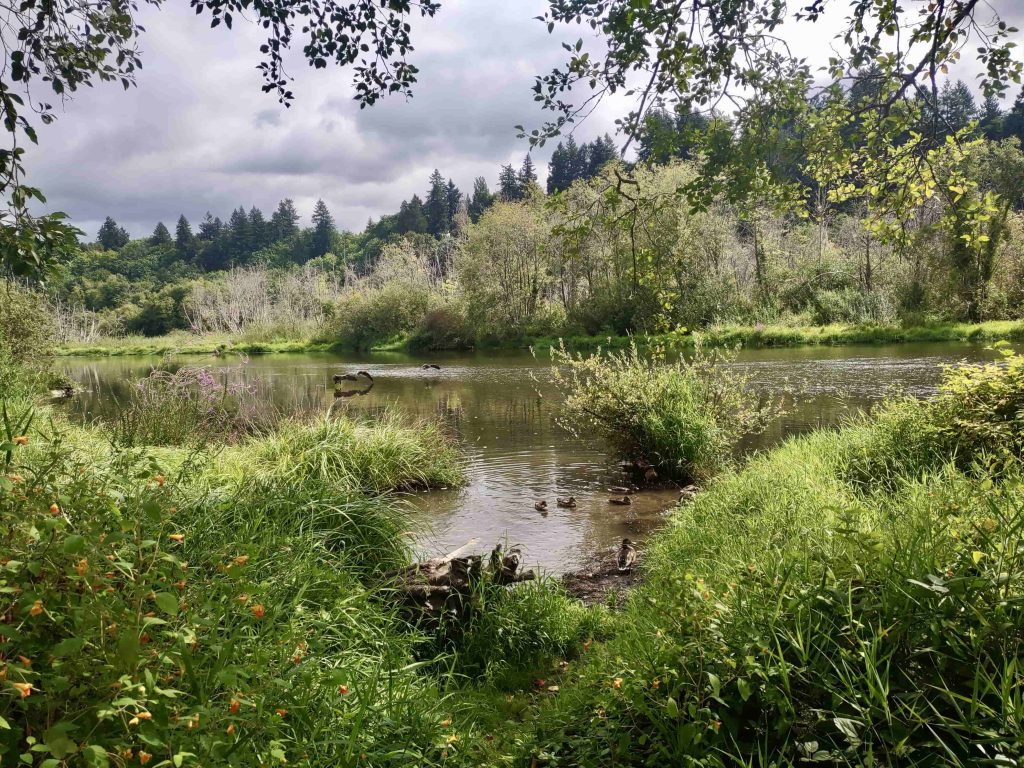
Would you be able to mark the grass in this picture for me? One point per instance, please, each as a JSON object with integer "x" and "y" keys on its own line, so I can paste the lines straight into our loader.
{"x": 719, "y": 335}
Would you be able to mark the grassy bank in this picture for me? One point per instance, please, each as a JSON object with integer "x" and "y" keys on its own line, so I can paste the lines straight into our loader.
{"x": 724, "y": 335}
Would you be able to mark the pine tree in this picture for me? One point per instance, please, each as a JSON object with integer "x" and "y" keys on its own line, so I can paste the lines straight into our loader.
{"x": 1013, "y": 122}
{"x": 559, "y": 170}
{"x": 991, "y": 119}
{"x": 956, "y": 107}
{"x": 601, "y": 152}
{"x": 323, "y": 230}
{"x": 527, "y": 176}
{"x": 160, "y": 236}
{"x": 454, "y": 196}
{"x": 184, "y": 240}
{"x": 410, "y": 218}
{"x": 239, "y": 247}
{"x": 210, "y": 228}
{"x": 259, "y": 234}
{"x": 508, "y": 184}
{"x": 481, "y": 200}
{"x": 284, "y": 223}
{"x": 112, "y": 237}
{"x": 436, "y": 206}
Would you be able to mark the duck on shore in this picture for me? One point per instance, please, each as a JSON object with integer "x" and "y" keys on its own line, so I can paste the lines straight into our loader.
{"x": 687, "y": 493}
{"x": 626, "y": 556}
{"x": 567, "y": 502}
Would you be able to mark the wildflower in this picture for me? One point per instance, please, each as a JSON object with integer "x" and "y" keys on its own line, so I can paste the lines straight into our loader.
{"x": 342, "y": 689}
{"x": 54, "y": 509}
{"x": 656, "y": 684}
{"x": 258, "y": 610}
{"x": 281, "y": 712}
{"x": 127, "y": 754}
{"x": 180, "y": 584}
{"x": 241, "y": 560}
{"x": 81, "y": 567}
{"x": 243, "y": 599}
{"x": 25, "y": 660}
{"x": 717, "y": 725}
{"x": 25, "y": 689}
{"x": 540, "y": 683}
{"x": 21, "y": 440}
{"x": 234, "y": 705}
{"x": 144, "y": 756}
{"x": 452, "y": 739}
{"x": 179, "y": 537}
{"x": 36, "y": 609}
{"x": 160, "y": 480}
{"x": 446, "y": 723}
{"x": 230, "y": 729}
{"x": 617, "y": 683}
{"x": 16, "y": 479}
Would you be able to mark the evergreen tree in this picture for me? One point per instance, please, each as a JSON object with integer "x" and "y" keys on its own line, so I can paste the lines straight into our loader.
{"x": 411, "y": 217}
{"x": 454, "y": 196}
{"x": 284, "y": 223}
{"x": 323, "y": 230}
{"x": 559, "y": 169}
{"x": 239, "y": 247}
{"x": 527, "y": 176}
{"x": 1013, "y": 121}
{"x": 991, "y": 118}
{"x": 601, "y": 152}
{"x": 112, "y": 237}
{"x": 210, "y": 228}
{"x": 438, "y": 218}
{"x": 508, "y": 184}
{"x": 184, "y": 240}
{"x": 481, "y": 200}
{"x": 956, "y": 107}
{"x": 160, "y": 236}
{"x": 259, "y": 232}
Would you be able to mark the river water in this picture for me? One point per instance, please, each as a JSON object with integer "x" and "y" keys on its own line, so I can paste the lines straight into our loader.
{"x": 502, "y": 409}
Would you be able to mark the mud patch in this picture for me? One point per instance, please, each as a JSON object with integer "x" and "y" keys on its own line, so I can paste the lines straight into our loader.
{"x": 602, "y": 582}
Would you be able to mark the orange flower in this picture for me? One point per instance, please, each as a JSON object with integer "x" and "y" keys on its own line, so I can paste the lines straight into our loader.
{"x": 177, "y": 537}
{"x": 258, "y": 610}
{"x": 180, "y": 584}
{"x": 81, "y": 567}
{"x": 36, "y": 609}
{"x": 342, "y": 689}
{"x": 446, "y": 723}
{"x": 617, "y": 682}
{"x": 656, "y": 684}
{"x": 25, "y": 689}
{"x": 230, "y": 729}
{"x": 160, "y": 480}
{"x": 241, "y": 560}
{"x": 25, "y": 660}
{"x": 540, "y": 683}
{"x": 281, "y": 712}
{"x": 716, "y": 724}
{"x": 21, "y": 440}
{"x": 234, "y": 705}
{"x": 243, "y": 599}
{"x": 54, "y": 509}
{"x": 144, "y": 756}
{"x": 16, "y": 478}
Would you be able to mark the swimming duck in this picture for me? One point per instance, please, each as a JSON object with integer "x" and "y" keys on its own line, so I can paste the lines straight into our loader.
{"x": 569, "y": 502}
{"x": 622, "y": 490}
{"x": 627, "y": 556}
{"x": 365, "y": 375}
{"x": 340, "y": 377}
{"x": 431, "y": 367}
{"x": 541, "y": 506}
{"x": 622, "y": 501}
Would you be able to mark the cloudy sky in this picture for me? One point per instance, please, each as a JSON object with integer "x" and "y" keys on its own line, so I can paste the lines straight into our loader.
{"x": 198, "y": 135}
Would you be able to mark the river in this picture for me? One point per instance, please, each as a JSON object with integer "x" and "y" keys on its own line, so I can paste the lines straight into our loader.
{"x": 502, "y": 408}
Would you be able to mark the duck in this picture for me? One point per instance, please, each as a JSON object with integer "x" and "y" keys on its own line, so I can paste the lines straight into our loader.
{"x": 651, "y": 475}
{"x": 541, "y": 506}
{"x": 622, "y": 501}
{"x": 431, "y": 367}
{"x": 626, "y": 556}
{"x": 340, "y": 377}
{"x": 687, "y": 493}
{"x": 568, "y": 502}
{"x": 622, "y": 490}
{"x": 365, "y": 375}
{"x": 510, "y": 563}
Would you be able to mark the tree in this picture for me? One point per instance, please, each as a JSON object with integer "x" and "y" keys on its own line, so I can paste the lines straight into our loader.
{"x": 1013, "y": 122}
{"x": 436, "y": 206}
{"x": 454, "y": 198}
{"x": 259, "y": 234}
{"x": 284, "y": 223}
{"x": 508, "y": 184}
{"x": 184, "y": 240}
{"x": 599, "y": 153}
{"x": 67, "y": 45}
{"x": 411, "y": 217}
{"x": 956, "y": 107}
{"x": 323, "y": 230}
{"x": 239, "y": 239}
{"x": 527, "y": 176}
{"x": 991, "y": 118}
{"x": 210, "y": 228}
{"x": 481, "y": 200}
{"x": 112, "y": 237}
{"x": 563, "y": 165}
{"x": 160, "y": 236}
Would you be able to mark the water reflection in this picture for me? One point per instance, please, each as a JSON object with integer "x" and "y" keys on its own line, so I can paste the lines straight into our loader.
{"x": 502, "y": 409}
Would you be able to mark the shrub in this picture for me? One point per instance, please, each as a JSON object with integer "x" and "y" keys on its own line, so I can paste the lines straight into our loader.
{"x": 682, "y": 417}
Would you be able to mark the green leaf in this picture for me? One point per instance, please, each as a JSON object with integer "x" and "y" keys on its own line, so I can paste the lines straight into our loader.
{"x": 167, "y": 603}
{"x": 68, "y": 647}
{"x": 96, "y": 756}
{"x": 74, "y": 544}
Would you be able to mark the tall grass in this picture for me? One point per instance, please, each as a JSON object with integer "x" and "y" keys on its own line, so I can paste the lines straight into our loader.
{"x": 820, "y": 605}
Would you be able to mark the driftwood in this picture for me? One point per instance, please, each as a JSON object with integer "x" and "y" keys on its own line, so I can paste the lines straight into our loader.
{"x": 448, "y": 586}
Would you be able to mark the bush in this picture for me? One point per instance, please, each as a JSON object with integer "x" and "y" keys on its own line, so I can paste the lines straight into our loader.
{"x": 683, "y": 417}
{"x": 371, "y": 316}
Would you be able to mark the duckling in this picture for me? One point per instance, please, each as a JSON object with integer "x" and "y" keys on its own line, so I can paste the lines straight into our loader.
{"x": 567, "y": 502}
{"x": 622, "y": 490}
{"x": 510, "y": 563}
{"x": 627, "y": 556}
{"x": 651, "y": 475}
{"x": 541, "y": 506}
{"x": 623, "y": 501}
